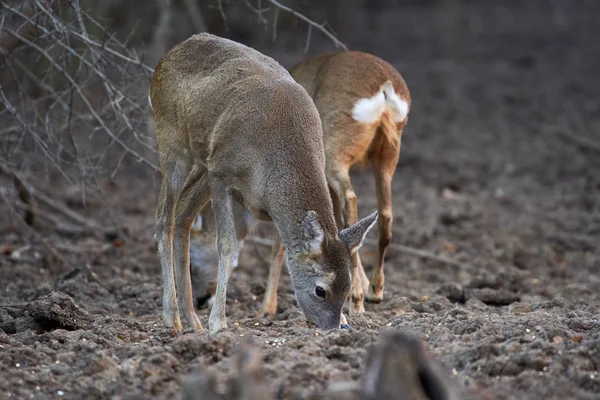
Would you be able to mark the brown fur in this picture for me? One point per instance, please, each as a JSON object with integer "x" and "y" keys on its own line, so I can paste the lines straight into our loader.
{"x": 336, "y": 81}
{"x": 232, "y": 125}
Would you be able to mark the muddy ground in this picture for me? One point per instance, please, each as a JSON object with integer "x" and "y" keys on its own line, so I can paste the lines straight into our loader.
{"x": 497, "y": 171}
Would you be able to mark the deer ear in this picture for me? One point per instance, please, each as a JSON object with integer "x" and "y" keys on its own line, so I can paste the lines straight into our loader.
{"x": 353, "y": 236}
{"x": 313, "y": 236}
{"x": 197, "y": 224}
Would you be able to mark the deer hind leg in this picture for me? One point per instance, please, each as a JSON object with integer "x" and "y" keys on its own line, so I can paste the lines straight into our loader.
{"x": 173, "y": 178}
{"x": 384, "y": 165}
{"x": 204, "y": 262}
{"x": 269, "y": 305}
{"x": 194, "y": 196}
{"x": 340, "y": 183}
{"x": 337, "y": 207}
{"x": 222, "y": 204}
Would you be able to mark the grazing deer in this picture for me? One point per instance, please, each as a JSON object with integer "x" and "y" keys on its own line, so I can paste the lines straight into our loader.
{"x": 363, "y": 103}
{"x": 232, "y": 126}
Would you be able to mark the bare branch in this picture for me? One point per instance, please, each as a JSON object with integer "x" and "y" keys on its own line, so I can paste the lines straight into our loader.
{"x": 275, "y": 20}
{"x": 87, "y": 223}
{"x": 24, "y": 193}
{"x": 51, "y": 250}
{"x": 222, "y": 11}
{"x": 401, "y": 248}
{"x": 308, "y": 35}
{"x": 86, "y": 101}
{"x": 196, "y": 15}
{"x": 580, "y": 140}
{"x": 310, "y": 23}
{"x": 258, "y": 11}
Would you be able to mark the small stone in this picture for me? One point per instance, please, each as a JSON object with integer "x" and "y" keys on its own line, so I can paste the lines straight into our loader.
{"x": 557, "y": 339}
{"x": 354, "y": 361}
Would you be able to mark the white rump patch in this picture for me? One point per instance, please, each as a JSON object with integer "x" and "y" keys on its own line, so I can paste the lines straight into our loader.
{"x": 369, "y": 110}
{"x": 398, "y": 106}
{"x": 150, "y": 102}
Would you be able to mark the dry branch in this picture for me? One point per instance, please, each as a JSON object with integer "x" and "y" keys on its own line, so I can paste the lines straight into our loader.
{"x": 83, "y": 97}
{"x": 311, "y": 24}
{"x": 47, "y": 246}
{"x": 30, "y": 28}
{"x": 401, "y": 248}
{"x": 24, "y": 194}
{"x": 196, "y": 15}
{"x": 87, "y": 223}
{"x": 278, "y": 6}
{"x": 83, "y": 88}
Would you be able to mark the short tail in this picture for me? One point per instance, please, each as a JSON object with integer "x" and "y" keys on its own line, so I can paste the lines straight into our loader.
{"x": 396, "y": 110}
{"x": 389, "y": 130}
{"x": 385, "y": 107}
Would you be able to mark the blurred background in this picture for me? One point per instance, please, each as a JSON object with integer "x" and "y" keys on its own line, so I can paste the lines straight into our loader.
{"x": 497, "y": 189}
{"x": 74, "y": 73}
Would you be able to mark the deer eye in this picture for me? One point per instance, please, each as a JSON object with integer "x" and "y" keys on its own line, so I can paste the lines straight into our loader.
{"x": 320, "y": 292}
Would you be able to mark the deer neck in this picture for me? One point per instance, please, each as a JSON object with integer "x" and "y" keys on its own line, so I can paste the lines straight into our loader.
{"x": 287, "y": 215}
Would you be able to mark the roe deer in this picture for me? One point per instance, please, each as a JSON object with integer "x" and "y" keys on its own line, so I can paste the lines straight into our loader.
{"x": 363, "y": 103}
{"x": 360, "y": 124}
{"x": 233, "y": 125}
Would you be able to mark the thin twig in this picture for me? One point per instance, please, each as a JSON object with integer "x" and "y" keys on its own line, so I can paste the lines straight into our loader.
{"x": 308, "y": 35}
{"x": 91, "y": 109}
{"x": 275, "y": 20}
{"x": 222, "y": 11}
{"x": 310, "y": 22}
{"x": 401, "y": 248}
{"x": 580, "y": 140}
{"x": 24, "y": 193}
{"x": 258, "y": 11}
{"x": 196, "y": 15}
{"x": 69, "y": 213}
{"x": 51, "y": 250}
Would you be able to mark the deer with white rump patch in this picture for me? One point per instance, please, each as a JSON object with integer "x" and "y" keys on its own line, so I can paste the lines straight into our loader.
{"x": 363, "y": 104}
{"x": 233, "y": 126}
